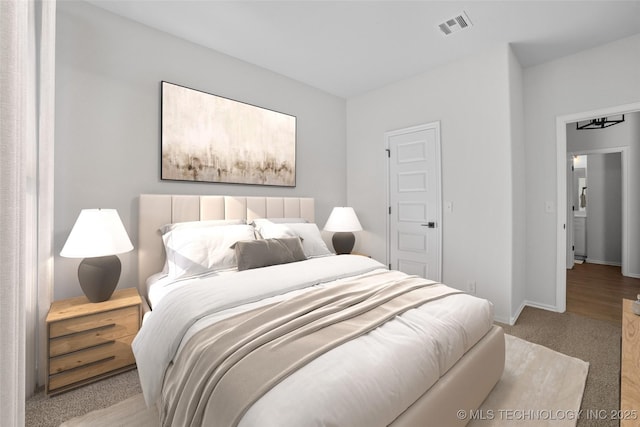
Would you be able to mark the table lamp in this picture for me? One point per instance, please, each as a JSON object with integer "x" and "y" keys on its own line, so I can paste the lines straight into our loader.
{"x": 97, "y": 236}
{"x": 343, "y": 222}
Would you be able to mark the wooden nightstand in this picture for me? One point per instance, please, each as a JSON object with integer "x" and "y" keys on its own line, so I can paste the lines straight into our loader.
{"x": 629, "y": 367}
{"x": 90, "y": 341}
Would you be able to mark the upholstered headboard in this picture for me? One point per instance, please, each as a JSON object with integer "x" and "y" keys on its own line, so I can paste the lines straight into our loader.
{"x": 157, "y": 210}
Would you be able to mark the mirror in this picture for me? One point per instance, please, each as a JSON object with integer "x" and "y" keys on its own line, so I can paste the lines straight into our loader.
{"x": 580, "y": 184}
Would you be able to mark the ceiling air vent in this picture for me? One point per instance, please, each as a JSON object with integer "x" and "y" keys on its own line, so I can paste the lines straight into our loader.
{"x": 454, "y": 24}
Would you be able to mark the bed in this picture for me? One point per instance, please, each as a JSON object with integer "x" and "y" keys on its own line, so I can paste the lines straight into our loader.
{"x": 316, "y": 339}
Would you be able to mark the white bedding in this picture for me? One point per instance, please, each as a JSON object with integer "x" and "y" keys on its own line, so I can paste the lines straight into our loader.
{"x": 160, "y": 284}
{"x": 426, "y": 342}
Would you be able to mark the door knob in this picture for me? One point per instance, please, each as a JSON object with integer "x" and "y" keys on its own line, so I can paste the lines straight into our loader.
{"x": 430, "y": 224}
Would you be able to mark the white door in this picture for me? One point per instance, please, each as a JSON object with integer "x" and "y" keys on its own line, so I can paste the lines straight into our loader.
{"x": 415, "y": 205}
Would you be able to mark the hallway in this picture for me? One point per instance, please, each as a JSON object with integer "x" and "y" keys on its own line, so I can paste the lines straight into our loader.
{"x": 596, "y": 291}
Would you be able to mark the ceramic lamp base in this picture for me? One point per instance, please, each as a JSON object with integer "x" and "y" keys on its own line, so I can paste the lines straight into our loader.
{"x": 99, "y": 277}
{"x": 343, "y": 242}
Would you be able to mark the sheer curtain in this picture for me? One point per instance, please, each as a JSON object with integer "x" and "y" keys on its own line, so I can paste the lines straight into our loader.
{"x": 45, "y": 78}
{"x": 27, "y": 49}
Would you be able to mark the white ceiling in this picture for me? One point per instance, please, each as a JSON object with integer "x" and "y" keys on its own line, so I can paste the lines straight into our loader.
{"x": 350, "y": 47}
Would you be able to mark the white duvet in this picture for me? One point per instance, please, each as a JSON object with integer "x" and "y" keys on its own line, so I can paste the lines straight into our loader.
{"x": 368, "y": 381}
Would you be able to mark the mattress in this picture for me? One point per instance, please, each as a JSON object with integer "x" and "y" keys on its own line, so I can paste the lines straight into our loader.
{"x": 366, "y": 381}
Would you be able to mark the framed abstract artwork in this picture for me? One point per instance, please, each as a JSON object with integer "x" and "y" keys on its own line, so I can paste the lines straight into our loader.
{"x": 209, "y": 138}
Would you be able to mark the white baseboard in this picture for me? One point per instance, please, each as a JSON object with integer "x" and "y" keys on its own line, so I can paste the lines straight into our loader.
{"x": 597, "y": 261}
{"x": 543, "y": 306}
{"x": 514, "y": 317}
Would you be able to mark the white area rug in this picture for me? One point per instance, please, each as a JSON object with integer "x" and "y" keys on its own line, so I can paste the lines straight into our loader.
{"x": 539, "y": 387}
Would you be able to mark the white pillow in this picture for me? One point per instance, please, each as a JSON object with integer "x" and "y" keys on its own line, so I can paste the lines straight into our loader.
{"x": 195, "y": 224}
{"x": 282, "y": 220}
{"x": 312, "y": 242}
{"x": 271, "y": 230}
{"x": 192, "y": 251}
{"x": 199, "y": 224}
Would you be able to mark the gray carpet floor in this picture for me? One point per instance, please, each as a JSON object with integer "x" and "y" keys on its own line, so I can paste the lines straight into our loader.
{"x": 594, "y": 341}
{"x": 43, "y": 411}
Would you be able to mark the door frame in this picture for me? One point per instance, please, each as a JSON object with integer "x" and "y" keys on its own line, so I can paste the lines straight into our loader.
{"x": 438, "y": 189}
{"x": 561, "y": 176}
{"x": 571, "y": 255}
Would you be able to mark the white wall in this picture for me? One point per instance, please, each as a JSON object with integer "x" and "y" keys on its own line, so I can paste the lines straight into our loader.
{"x": 474, "y": 102}
{"x": 519, "y": 213}
{"x": 604, "y": 208}
{"x": 621, "y": 135}
{"x": 107, "y": 142}
{"x": 108, "y": 72}
{"x": 598, "y": 78}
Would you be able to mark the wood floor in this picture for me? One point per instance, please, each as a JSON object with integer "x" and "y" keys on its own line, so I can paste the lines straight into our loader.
{"x": 596, "y": 291}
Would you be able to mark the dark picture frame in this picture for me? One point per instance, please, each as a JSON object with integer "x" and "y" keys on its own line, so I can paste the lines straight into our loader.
{"x": 210, "y": 138}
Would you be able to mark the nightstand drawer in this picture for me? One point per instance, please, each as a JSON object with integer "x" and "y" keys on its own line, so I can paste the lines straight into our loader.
{"x": 101, "y": 335}
{"x": 125, "y": 316}
{"x": 77, "y": 359}
{"x": 111, "y": 361}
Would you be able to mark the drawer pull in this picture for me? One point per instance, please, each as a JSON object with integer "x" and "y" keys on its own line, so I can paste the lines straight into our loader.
{"x": 103, "y": 344}
{"x": 109, "y": 326}
{"x": 106, "y": 359}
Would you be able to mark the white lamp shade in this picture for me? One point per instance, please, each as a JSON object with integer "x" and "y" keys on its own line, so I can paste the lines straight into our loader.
{"x": 343, "y": 219}
{"x": 97, "y": 233}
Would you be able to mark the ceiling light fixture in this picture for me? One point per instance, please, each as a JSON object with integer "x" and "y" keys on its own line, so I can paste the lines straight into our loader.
{"x": 600, "y": 123}
{"x": 457, "y": 23}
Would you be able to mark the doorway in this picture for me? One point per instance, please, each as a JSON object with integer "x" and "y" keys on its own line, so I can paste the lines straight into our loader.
{"x": 414, "y": 199}
{"x": 564, "y": 220}
{"x": 595, "y": 284}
